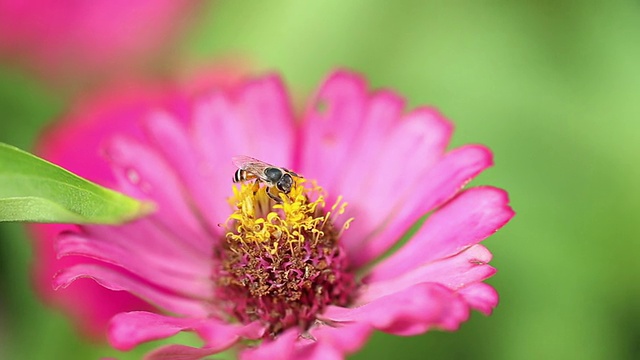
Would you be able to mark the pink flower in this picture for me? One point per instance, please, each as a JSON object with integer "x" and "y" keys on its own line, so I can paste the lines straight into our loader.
{"x": 95, "y": 35}
{"x": 305, "y": 277}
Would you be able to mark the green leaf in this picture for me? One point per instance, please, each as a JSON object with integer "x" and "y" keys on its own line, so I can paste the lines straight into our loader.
{"x": 35, "y": 190}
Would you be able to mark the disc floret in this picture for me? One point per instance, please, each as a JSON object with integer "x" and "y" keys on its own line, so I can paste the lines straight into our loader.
{"x": 281, "y": 263}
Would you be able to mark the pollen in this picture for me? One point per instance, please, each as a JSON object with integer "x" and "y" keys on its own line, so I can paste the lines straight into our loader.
{"x": 281, "y": 262}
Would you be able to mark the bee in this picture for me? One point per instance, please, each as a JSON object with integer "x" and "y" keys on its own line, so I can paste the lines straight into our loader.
{"x": 274, "y": 177}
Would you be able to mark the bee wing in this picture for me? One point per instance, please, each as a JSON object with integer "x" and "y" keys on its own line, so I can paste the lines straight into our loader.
{"x": 251, "y": 165}
{"x": 292, "y": 173}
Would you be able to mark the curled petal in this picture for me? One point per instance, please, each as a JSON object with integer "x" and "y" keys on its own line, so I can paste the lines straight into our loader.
{"x": 162, "y": 271}
{"x": 410, "y": 311}
{"x": 115, "y": 280}
{"x": 219, "y": 335}
{"x": 469, "y": 218}
{"x": 481, "y": 297}
{"x": 456, "y": 272}
{"x": 127, "y": 330}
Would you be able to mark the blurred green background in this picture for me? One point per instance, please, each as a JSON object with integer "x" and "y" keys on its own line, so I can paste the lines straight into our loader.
{"x": 553, "y": 88}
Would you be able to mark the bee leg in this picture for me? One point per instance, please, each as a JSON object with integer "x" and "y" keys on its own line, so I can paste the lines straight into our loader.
{"x": 275, "y": 197}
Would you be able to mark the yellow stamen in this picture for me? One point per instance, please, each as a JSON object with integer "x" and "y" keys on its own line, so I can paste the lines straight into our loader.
{"x": 258, "y": 220}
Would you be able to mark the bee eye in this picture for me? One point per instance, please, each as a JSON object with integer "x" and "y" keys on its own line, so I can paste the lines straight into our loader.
{"x": 273, "y": 174}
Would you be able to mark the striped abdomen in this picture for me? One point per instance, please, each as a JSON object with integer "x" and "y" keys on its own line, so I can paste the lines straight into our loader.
{"x": 242, "y": 175}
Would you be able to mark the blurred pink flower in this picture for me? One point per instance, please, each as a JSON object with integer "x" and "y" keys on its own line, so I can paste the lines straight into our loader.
{"x": 291, "y": 275}
{"x": 70, "y": 36}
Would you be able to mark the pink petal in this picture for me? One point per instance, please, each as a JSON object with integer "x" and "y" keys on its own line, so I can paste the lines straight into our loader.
{"x": 467, "y": 219}
{"x": 480, "y": 296}
{"x": 219, "y": 335}
{"x": 179, "y": 352}
{"x": 172, "y": 141}
{"x": 409, "y": 311}
{"x": 117, "y": 281}
{"x": 265, "y": 106}
{"x": 142, "y": 173}
{"x": 332, "y": 124}
{"x": 318, "y": 351}
{"x": 333, "y": 341}
{"x": 127, "y": 330}
{"x": 144, "y": 235}
{"x": 384, "y": 109}
{"x": 257, "y": 123}
{"x": 161, "y": 271}
{"x": 456, "y": 272}
{"x": 441, "y": 183}
{"x": 214, "y": 131}
{"x": 282, "y": 347}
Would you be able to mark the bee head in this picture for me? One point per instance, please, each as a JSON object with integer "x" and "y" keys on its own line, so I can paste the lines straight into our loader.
{"x": 285, "y": 183}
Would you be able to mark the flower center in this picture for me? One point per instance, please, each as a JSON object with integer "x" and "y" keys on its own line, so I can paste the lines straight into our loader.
{"x": 281, "y": 263}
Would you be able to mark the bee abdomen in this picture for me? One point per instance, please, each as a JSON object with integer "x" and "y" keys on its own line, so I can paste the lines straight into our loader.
{"x": 239, "y": 175}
